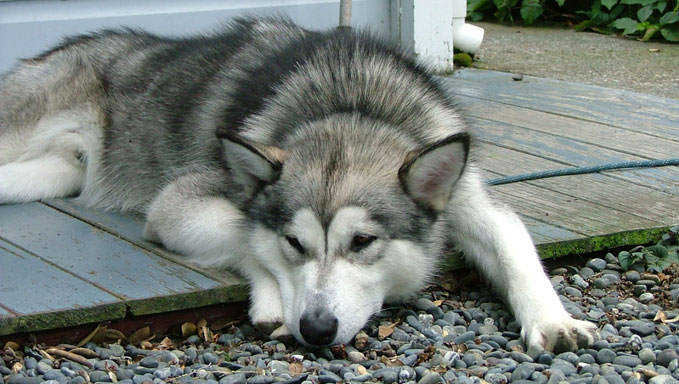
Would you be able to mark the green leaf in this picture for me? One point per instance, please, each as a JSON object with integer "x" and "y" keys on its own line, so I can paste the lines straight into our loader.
{"x": 669, "y": 18}
{"x": 650, "y": 31}
{"x": 626, "y": 260}
{"x": 530, "y": 10}
{"x": 658, "y": 250}
{"x": 644, "y": 12}
{"x": 661, "y": 5}
{"x": 609, "y": 3}
{"x": 560, "y": 3}
{"x": 626, "y": 24}
{"x": 583, "y": 25}
{"x": 637, "y": 2}
{"x": 670, "y": 33}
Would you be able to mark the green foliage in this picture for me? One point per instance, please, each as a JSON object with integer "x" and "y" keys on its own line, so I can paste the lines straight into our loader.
{"x": 656, "y": 257}
{"x": 641, "y": 18}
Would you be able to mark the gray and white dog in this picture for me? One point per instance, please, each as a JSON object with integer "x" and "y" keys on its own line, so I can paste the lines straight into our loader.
{"x": 328, "y": 168}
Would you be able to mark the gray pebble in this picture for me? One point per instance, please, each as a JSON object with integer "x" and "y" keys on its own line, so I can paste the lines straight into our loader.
{"x": 605, "y": 355}
{"x": 596, "y": 264}
{"x": 99, "y": 376}
{"x": 233, "y": 378}
{"x": 646, "y": 297}
{"x": 149, "y": 362}
{"x": 629, "y": 361}
{"x": 663, "y": 379}
{"x": 264, "y": 379}
{"x": 665, "y": 357}
{"x": 647, "y": 356}
{"x": 430, "y": 378}
{"x": 632, "y": 276}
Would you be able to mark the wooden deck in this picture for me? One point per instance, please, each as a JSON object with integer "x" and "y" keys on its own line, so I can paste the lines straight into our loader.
{"x": 62, "y": 265}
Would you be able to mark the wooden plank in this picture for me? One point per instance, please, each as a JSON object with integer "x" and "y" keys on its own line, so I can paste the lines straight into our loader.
{"x": 633, "y": 111}
{"x": 131, "y": 228}
{"x": 568, "y": 212}
{"x": 29, "y": 284}
{"x": 598, "y": 135}
{"x": 542, "y": 232}
{"x": 94, "y": 255}
{"x": 572, "y": 152}
{"x": 41, "y": 296}
{"x": 597, "y": 188}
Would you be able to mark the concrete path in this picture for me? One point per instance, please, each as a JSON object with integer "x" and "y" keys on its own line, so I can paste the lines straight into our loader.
{"x": 585, "y": 57}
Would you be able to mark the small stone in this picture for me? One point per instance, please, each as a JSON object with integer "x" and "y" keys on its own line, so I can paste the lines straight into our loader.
{"x": 523, "y": 371}
{"x": 467, "y": 336}
{"x": 234, "y": 378}
{"x": 149, "y": 362}
{"x": 596, "y": 264}
{"x": 517, "y": 77}
{"x": 430, "y": 378}
{"x": 99, "y": 376}
{"x": 264, "y": 379}
{"x": 646, "y": 297}
{"x": 601, "y": 283}
{"x": 209, "y": 358}
{"x": 647, "y": 356}
{"x": 663, "y": 379}
{"x": 628, "y": 361}
{"x": 639, "y": 289}
{"x": 356, "y": 356}
{"x": 665, "y": 357}
{"x": 579, "y": 281}
{"x": 605, "y": 355}
{"x": 632, "y": 276}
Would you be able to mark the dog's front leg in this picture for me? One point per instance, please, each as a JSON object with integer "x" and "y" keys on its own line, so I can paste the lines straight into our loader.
{"x": 191, "y": 216}
{"x": 497, "y": 243}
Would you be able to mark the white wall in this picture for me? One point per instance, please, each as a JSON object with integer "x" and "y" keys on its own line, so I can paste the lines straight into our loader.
{"x": 30, "y": 27}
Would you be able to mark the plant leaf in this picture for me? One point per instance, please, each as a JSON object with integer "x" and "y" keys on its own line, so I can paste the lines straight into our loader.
{"x": 669, "y": 18}
{"x": 560, "y": 3}
{"x": 650, "y": 31}
{"x": 661, "y": 5}
{"x": 609, "y": 3}
{"x": 644, "y": 12}
{"x": 625, "y": 259}
{"x": 637, "y": 2}
{"x": 530, "y": 10}
{"x": 627, "y": 24}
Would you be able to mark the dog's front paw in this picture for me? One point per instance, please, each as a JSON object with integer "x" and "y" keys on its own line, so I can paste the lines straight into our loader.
{"x": 566, "y": 334}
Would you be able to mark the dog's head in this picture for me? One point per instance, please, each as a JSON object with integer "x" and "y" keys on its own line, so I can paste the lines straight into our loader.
{"x": 345, "y": 216}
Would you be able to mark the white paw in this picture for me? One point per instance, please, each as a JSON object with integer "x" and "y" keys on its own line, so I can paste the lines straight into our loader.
{"x": 281, "y": 332}
{"x": 266, "y": 311}
{"x": 566, "y": 334}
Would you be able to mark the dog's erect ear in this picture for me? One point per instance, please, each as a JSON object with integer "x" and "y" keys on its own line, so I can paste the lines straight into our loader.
{"x": 252, "y": 164}
{"x": 430, "y": 174}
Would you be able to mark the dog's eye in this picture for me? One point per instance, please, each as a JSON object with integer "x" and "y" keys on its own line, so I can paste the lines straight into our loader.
{"x": 359, "y": 242}
{"x": 292, "y": 240}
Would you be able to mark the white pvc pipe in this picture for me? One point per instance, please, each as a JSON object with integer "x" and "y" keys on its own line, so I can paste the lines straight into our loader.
{"x": 345, "y": 13}
{"x": 466, "y": 37}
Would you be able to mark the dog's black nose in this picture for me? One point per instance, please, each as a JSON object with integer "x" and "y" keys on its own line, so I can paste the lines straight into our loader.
{"x": 318, "y": 327}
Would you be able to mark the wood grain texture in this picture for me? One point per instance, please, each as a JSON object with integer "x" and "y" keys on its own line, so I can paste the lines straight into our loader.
{"x": 109, "y": 262}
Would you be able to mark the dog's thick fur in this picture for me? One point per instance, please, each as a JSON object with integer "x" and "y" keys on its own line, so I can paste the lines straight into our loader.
{"x": 328, "y": 168}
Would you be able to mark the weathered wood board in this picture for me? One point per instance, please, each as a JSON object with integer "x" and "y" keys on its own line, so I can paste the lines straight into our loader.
{"x": 63, "y": 265}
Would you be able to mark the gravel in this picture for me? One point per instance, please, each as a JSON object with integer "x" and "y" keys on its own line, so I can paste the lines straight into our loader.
{"x": 449, "y": 334}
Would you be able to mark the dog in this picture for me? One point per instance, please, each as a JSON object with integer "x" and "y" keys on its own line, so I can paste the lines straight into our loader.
{"x": 328, "y": 168}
